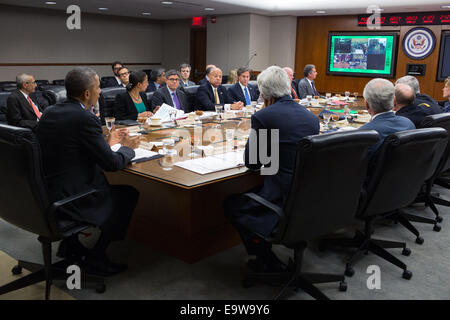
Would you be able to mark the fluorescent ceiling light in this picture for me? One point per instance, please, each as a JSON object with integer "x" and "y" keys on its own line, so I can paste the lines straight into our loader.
{"x": 50, "y": 2}
{"x": 209, "y": 9}
{"x": 321, "y": 11}
{"x": 146, "y": 13}
{"x": 103, "y": 9}
{"x": 167, "y": 2}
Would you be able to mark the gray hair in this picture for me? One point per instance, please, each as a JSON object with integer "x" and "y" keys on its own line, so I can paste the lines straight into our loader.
{"x": 404, "y": 94}
{"x": 274, "y": 83}
{"x": 379, "y": 94}
{"x": 241, "y": 70}
{"x": 411, "y": 81}
{"x": 308, "y": 69}
{"x": 185, "y": 65}
{"x": 21, "y": 79}
{"x": 172, "y": 72}
{"x": 79, "y": 80}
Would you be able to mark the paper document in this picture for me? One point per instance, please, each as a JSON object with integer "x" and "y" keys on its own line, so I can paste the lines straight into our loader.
{"x": 164, "y": 112}
{"x": 143, "y": 153}
{"x": 214, "y": 163}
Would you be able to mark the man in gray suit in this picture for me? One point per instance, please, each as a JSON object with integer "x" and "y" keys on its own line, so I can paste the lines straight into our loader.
{"x": 306, "y": 86}
{"x": 185, "y": 72}
{"x": 171, "y": 94}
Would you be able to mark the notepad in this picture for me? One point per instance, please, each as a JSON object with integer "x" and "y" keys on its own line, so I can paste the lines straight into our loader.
{"x": 164, "y": 111}
{"x": 214, "y": 163}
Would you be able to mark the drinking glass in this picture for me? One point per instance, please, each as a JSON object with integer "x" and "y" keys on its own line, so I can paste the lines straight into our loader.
{"x": 110, "y": 123}
{"x": 328, "y": 96}
{"x": 142, "y": 120}
{"x": 355, "y": 94}
{"x": 168, "y": 160}
{"x": 219, "y": 111}
{"x": 326, "y": 119}
{"x": 309, "y": 98}
{"x": 347, "y": 95}
{"x": 195, "y": 142}
{"x": 229, "y": 134}
{"x": 172, "y": 115}
{"x": 346, "y": 112}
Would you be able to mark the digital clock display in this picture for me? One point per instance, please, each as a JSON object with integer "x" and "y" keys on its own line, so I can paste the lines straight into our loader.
{"x": 406, "y": 19}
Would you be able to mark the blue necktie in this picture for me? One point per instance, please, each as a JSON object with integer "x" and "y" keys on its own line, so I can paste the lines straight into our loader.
{"x": 247, "y": 97}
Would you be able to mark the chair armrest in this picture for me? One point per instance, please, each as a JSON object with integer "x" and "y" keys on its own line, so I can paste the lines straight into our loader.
{"x": 67, "y": 200}
{"x": 265, "y": 203}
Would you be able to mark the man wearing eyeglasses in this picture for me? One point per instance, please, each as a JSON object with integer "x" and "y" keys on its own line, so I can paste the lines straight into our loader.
{"x": 124, "y": 77}
{"x": 21, "y": 110}
{"x": 171, "y": 94}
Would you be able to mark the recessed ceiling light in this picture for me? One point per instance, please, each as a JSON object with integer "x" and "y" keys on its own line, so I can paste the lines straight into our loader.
{"x": 50, "y": 2}
{"x": 321, "y": 11}
{"x": 146, "y": 13}
{"x": 167, "y": 2}
{"x": 103, "y": 9}
{"x": 445, "y": 7}
{"x": 209, "y": 9}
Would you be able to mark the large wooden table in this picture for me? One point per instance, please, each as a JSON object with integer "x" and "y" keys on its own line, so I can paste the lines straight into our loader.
{"x": 180, "y": 212}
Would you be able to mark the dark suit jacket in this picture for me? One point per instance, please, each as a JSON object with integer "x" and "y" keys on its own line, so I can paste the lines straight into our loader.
{"x": 124, "y": 107}
{"x": 152, "y": 86}
{"x": 19, "y": 113}
{"x": 205, "y": 99}
{"x": 203, "y": 81}
{"x": 293, "y": 122}
{"x": 427, "y": 102}
{"x": 190, "y": 83}
{"x": 162, "y": 95}
{"x": 386, "y": 124}
{"x": 111, "y": 82}
{"x": 416, "y": 113}
{"x": 304, "y": 89}
{"x": 236, "y": 94}
{"x": 74, "y": 155}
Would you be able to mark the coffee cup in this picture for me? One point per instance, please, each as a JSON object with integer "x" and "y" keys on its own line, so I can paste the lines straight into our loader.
{"x": 155, "y": 121}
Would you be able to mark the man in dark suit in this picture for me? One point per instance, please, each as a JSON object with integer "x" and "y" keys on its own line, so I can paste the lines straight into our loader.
{"x": 21, "y": 110}
{"x": 404, "y": 105}
{"x": 242, "y": 90}
{"x": 75, "y": 154}
{"x": 114, "y": 82}
{"x": 213, "y": 93}
{"x": 282, "y": 114}
{"x": 185, "y": 72}
{"x": 157, "y": 80}
{"x": 306, "y": 86}
{"x": 171, "y": 94}
{"x": 379, "y": 97}
{"x": 290, "y": 73}
{"x": 205, "y": 80}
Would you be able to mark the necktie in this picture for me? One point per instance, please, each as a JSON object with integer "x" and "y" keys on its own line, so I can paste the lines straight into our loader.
{"x": 247, "y": 97}
{"x": 294, "y": 95}
{"x": 216, "y": 96}
{"x": 176, "y": 101}
{"x": 185, "y": 84}
{"x": 35, "y": 109}
{"x": 314, "y": 89}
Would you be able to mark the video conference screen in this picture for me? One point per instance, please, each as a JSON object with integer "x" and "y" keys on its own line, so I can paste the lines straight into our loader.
{"x": 444, "y": 57}
{"x": 362, "y": 54}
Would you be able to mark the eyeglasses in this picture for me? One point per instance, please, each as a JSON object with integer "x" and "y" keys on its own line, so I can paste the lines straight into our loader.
{"x": 32, "y": 82}
{"x": 174, "y": 79}
{"x": 124, "y": 74}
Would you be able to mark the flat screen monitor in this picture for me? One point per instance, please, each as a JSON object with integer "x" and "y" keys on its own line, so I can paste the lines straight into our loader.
{"x": 444, "y": 57}
{"x": 362, "y": 54}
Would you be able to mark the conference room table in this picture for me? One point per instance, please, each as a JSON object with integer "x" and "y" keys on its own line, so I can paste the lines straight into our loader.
{"x": 179, "y": 211}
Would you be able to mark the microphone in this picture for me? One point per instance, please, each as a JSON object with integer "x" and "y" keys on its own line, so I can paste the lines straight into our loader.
{"x": 253, "y": 55}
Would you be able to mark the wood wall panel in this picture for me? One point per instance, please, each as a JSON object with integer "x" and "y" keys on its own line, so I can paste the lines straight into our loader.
{"x": 312, "y": 47}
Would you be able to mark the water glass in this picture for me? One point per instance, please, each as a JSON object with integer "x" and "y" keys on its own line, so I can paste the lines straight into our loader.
{"x": 229, "y": 134}
{"x": 219, "y": 111}
{"x": 110, "y": 123}
{"x": 326, "y": 119}
{"x": 309, "y": 98}
{"x": 168, "y": 160}
{"x": 346, "y": 112}
{"x": 347, "y": 95}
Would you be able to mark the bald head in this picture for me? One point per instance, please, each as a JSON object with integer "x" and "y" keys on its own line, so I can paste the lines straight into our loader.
{"x": 404, "y": 95}
{"x": 215, "y": 77}
{"x": 289, "y": 72}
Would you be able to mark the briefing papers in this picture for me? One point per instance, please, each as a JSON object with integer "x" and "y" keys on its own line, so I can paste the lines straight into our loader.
{"x": 214, "y": 163}
{"x": 164, "y": 111}
{"x": 139, "y": 153}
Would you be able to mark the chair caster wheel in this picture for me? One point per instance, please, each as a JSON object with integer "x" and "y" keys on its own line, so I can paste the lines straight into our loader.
{"x": 16, "y": 270}
{"x": 419, "y": 240}
{"x": 349, "y": 272}
{"x": 437, "y": 228}
{"x": 343, "y": 286}
{"x": 247, "y": 283}
{"x": 406, "y": 252}
{"x": 101, "y": 288}
{"x": 439, "y": 219}
{"x": 407, "y": 274}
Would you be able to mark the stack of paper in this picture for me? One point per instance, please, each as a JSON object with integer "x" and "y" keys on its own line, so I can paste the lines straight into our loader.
{"x": 141, "y": 153}
{"x": 214, "y": 163}
{"x": 164, "y": 111}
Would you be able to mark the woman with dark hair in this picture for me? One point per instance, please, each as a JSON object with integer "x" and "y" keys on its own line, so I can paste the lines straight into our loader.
{"x": 133, "y": 103}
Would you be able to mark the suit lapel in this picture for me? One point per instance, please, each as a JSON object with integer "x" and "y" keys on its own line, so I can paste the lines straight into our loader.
{"x": 26, "y": 106}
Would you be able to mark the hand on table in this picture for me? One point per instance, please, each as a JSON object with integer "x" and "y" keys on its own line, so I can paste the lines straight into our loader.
{"x": 237, "y": 105}
{"x": 117, "y": 135}
{"x": 146, "y": 114}
{"x": 131, "y": 142}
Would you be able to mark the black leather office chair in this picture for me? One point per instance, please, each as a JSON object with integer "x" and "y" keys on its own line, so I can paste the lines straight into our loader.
{"x": 55, "y": 94}
{"x": 42, "y": 82}
{"x": 106, "y": 101}
{"x": 191, "y": 92}
{"x": 3, "y": 98}
{"x": 306, "y": 214}
{"x": 253, "y": 83}
{"x": 8, "y": 85}
{"x": 228, "y": 85}
{"x": 104, "y": 80}
{"x": 25, "y": 204}
{"x": 401, "y": 169}
{"x": 149, "y": 97}
{"x": 58, "y": 82}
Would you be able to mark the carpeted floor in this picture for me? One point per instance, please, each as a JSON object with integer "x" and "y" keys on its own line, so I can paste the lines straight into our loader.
{"x": 153, "y": 275}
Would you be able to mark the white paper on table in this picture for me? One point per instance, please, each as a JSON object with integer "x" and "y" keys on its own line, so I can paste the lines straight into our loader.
{"x": 164, "y": 112}
{"x": 347, "y": 129}
{"x": 140, "y": 153}
{"x": 214, "y": 163}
